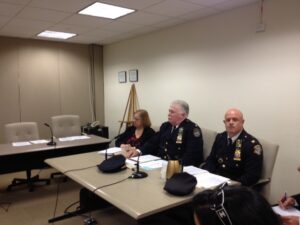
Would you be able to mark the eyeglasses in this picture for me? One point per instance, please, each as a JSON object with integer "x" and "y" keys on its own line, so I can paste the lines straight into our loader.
{"x": 218, "y": 205}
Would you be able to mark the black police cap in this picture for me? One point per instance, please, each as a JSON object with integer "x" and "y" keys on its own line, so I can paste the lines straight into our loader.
{"x": 181, "y": 184}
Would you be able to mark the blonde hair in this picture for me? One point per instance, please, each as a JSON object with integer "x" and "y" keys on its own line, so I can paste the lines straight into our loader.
{"x": 144, "y": 117}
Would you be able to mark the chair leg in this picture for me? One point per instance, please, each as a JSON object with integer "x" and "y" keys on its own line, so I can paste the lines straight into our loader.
{"x": 29, "y": 181}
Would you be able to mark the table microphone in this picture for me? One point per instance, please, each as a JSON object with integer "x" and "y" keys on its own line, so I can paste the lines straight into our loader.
{"x": 51, "y": 142}
{"x": 138, "y": 174}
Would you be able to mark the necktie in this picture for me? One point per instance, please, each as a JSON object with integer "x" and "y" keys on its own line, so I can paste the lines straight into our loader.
{"x": 229, "y": 142}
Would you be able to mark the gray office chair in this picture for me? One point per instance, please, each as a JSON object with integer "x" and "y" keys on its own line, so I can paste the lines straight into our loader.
{"x": 270, "y": 152}
{"x": 65, "y": 126}
{"x": 24, "y": 131}
{"x": 209, "y": 137}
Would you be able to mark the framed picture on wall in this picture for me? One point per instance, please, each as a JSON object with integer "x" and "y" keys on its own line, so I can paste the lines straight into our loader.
{"x": 122, "y": 77}
{"x": 133, "y": 76}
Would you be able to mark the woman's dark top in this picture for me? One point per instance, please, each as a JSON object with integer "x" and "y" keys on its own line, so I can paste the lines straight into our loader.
{"x": 128, "y": 137}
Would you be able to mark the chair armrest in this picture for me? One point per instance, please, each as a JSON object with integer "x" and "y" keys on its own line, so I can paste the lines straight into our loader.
{"x": 202, "y": 164}
{"x": 261, "y": 182}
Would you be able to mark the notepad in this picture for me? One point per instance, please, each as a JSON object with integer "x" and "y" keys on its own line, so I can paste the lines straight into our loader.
{"x": 42, "y": 141}
{"x": 22, "y": 143}
{"x": 193, "y": 170}
{"x": 111, "y": 151}
{"x": 152, "y": 165}
{"x": 73, "y": 138}
{"x": 286, "y": 212}
{"x": 143, "y": 159}
{"x": 209, "y": 180}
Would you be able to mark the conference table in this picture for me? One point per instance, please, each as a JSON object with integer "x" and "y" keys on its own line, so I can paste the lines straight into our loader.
{"x": 139, "y": 198}
{"x": 21, "y": 158}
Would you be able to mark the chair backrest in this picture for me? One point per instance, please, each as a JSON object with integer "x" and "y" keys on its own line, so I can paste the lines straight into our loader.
{"x": 270, "y": 152}
{"x": 23, "y": 131}
{"x": 155, "y": 128}
{"x": 209, "y": 137}
{"x": 66, "y": 125}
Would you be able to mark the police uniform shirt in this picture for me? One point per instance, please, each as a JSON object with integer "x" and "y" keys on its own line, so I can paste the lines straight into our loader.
{"x": 183, "y": 142}
{"x": 241, "y": 161}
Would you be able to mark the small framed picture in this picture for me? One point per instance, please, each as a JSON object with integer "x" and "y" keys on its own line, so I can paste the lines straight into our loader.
{"x": 133, "y": 76}
{"x": 122, "y": 77}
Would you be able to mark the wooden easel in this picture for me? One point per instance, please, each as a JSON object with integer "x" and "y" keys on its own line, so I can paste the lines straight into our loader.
{"x": 131, "y": 106}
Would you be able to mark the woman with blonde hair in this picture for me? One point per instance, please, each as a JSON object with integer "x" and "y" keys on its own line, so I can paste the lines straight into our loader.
{"x": 137, "y": 135}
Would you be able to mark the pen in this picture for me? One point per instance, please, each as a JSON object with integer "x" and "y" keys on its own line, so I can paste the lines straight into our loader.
{"x": 284, "y": 198}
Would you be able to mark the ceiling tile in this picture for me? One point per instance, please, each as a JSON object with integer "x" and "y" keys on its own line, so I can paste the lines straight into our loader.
{"x": 3, "y": 20}
{"x": 199, "y": 14}
{"x": 133, "y": 4}
{"x": 15, "y": 31}
{"x": 61, "y": 5}
{"x": 9, "y": 9}
{"x": 21, "y": 2}
{"x": 173, "y": 8}
{"x": 121, "y": 26}
{"x": 84, "y": 39}
{"x": 169, "y": 23}
{"x": 206, "y": 2}
{"x": 28, "y": 23}
{"x": 83, "y": 20}
{"x": 101, "y": 33}
{"x": 233, "y": 4}
{"x": 143, "y": 18}
{"x": 42, "y": 14}
{"x": 70, "y": 28}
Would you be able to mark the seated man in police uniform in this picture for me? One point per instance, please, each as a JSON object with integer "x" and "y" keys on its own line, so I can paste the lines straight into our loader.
{"x": 235, "y": 153}
{"x": 177, "y": 139}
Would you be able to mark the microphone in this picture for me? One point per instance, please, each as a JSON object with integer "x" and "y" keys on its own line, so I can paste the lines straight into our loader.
{"x": 138, "y": 174}
{"x": 51, "y": 142}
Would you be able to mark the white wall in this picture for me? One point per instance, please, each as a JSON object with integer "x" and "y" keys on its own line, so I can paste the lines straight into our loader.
{"x": 217, "y": 63}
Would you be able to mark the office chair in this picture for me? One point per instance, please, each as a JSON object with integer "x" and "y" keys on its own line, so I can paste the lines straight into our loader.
{"x": 209, "y": 137}
{"x": 65, "y": 126}
{"x": 270, "y": 152}
{"x": 23, "y": 131}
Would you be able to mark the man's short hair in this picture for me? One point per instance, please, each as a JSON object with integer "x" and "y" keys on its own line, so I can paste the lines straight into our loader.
{"x": 184, "y": 106}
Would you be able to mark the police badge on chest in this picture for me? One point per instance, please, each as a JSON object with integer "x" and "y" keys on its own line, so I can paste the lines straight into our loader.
{"x": 179, "y": 136}
{"x": 238, "y": 150}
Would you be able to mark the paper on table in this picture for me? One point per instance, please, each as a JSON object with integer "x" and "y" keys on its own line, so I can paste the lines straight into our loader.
{"x": 209, "y": 180}
{"x": 142, "y": 159}
{"x": 286, "y": 212}
{"x": 73, "y": 138}
{"x": 42, "y": 141}
{"x": 111, "y": 150}
{"x": 156, "y": 164}
{"x": 23, "y": 143}
{"x": 193, "y": 170}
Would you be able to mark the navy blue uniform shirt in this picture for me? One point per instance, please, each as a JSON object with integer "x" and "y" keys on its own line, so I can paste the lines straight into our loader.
{"x": 184, "y": 143}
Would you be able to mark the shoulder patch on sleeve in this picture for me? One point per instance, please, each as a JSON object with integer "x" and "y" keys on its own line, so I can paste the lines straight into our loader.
{"x": 257, "y": 149}
{"x": 196, "y": 132}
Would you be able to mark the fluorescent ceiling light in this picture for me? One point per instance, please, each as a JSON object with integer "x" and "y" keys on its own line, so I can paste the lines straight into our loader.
{"x": 106, "y": 11}
{"x": 55, "y": 34}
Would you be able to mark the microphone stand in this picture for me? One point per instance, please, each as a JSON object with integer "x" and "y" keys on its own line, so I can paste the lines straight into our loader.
{"x": 51, "y": 142}
{"x": 138, "y": 174}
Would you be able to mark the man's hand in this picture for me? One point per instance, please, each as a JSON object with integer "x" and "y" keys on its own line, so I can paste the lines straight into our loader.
{"x": 286, "y": 203}
{"x": 290, "y": 220}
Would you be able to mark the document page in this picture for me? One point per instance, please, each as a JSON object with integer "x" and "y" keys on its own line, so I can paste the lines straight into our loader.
{"x": 111, "y": 151}
{"x": 286, "y": 212}
{"x": 209, "y": 180}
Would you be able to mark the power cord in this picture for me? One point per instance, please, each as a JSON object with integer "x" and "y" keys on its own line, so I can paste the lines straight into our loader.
{"x": 84, "y": 168}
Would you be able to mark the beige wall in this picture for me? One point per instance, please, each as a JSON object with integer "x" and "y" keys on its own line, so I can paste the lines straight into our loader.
{"x": 218, "y": 63}
{"x": 39, "y": 79}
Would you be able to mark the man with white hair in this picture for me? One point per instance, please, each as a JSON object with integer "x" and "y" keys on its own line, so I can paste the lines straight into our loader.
{"x": 179, "y": 138}
{"x": 235, "y": 153}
